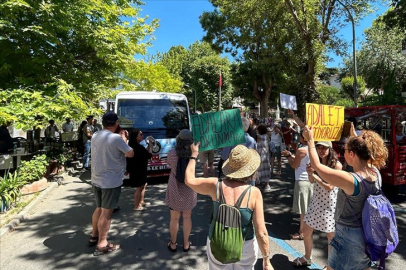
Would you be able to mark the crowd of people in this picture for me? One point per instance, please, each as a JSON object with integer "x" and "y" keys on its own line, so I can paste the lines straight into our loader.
{"x": 319, "y": 197}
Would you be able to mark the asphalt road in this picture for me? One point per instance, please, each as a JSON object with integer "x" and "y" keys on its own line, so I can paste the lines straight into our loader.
{"x": 58, "y": 228}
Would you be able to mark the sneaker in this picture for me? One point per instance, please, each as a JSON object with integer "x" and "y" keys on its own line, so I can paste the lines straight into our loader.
{"x": 267, "y": 188}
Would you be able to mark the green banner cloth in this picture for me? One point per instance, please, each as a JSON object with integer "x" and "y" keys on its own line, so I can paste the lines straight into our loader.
{"x": 218, "y": 129}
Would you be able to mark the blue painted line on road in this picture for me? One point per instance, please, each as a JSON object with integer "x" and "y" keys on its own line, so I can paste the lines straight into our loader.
{"x": 293, "y": 252}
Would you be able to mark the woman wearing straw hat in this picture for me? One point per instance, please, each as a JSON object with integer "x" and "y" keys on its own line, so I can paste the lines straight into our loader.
{"x": 179, "y": 197}
{"x": 238, "y": 169}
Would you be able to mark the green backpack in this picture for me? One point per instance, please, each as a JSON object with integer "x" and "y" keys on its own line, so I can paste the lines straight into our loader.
{"x": 227, "y": 239}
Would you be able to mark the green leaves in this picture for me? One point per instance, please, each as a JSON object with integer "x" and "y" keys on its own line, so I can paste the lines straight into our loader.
{"x": 67, "y": 54}
{"x": 33, "y": 170}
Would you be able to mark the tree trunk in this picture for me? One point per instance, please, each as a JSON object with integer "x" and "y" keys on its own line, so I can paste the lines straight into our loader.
{"x": 262, "y": 97}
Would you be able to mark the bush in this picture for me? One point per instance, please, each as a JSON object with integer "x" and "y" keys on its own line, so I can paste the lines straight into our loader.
{"x": 33, "y": 170}
{"x": 10, "y": 187}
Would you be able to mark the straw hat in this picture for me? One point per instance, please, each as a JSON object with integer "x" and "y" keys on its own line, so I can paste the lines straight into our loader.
{"x": 241, "y": 163}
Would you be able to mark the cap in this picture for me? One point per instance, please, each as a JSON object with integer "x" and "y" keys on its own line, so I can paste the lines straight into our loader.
{"x": 185, "y": 134}
{"x": 109, "y": 118}
{"x": 325, "y": 143}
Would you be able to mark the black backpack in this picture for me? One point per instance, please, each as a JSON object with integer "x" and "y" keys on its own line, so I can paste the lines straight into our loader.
{"x": 181, "y": 168}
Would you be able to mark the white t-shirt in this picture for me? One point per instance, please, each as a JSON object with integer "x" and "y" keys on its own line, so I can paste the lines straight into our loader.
{"x": 108, "y": 159}
{"x": 276, "y": 138}
{"x": 67, "y": 127}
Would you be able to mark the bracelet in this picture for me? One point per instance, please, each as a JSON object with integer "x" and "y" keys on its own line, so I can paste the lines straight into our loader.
{"x": 267, "y": 256}
{"x": 195, "y": 158}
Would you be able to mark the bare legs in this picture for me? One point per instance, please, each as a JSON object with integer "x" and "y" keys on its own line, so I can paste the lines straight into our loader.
{"x": 174, "y": 227}
{"x": 139, "y": 196}
{"x": 308, "y": 241}
{"x": 101, "y": 221}
{"x": 208, "y": 169}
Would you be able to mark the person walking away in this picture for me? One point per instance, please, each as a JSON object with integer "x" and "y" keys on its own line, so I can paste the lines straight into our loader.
{"x": 50, "y": 131}
{"x": 96, "y": 126}
{"x": 137, "y": 167}
{"x": 320, "y": 214}
{"x": 276, "y": 138}
{"x": 303, "y": 190}
{"x": 110, "y": 151}
{"x": 263, "y": 145}
{"x": 80, "y": 147}
{"x": 88, "y": 131}
{"x": 207, "y": 159}
{"x": 180, "y": 198}
{"x": 67, "y": 126}
{"x": 238, "y": 169}
{"x": 252, "y": 130}
{"x": 366, "y": 153}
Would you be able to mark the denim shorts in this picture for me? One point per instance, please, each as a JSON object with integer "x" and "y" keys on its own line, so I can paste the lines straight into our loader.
{"x": 348, "y": 249}
{"x": 277, "y": 153}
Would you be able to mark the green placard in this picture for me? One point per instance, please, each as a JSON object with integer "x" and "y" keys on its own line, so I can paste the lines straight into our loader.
{"x": 218, "y": 129}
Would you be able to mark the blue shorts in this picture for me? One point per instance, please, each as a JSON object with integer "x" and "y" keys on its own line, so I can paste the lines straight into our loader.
{"x": 348, "y": 249}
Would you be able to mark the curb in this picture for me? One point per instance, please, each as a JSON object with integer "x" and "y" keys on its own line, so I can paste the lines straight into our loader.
{"x": 23, "y": 215}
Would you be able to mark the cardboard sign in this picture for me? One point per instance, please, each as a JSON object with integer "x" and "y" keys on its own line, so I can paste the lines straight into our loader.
{"x": 288, "y": 101}
{"x": 218, "y": 129}
{"x": 326, "y": 120}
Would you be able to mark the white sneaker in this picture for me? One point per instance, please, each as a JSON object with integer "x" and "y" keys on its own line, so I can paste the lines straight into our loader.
{"x": 267, "y": 188}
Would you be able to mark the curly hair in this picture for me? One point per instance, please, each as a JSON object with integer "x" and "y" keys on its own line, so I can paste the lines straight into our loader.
{"x": 370, "y": 147}
{"x": 182, "y": 147}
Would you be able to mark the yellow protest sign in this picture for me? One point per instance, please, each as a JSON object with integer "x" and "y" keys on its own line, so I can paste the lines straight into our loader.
{"x": 326, "y": 120}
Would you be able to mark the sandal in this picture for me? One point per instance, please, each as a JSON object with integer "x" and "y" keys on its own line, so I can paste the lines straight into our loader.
{"x": 170, "y": 248}
{"x": 302, "y": 262}
{"x": 93, "y": 241}
{"x": 139, "y": 208}
{"x": 296, "y": 236}
{"x": 110, "y": 248}
{"x": 145, "y": 204}
{"x": 187, "y": 249}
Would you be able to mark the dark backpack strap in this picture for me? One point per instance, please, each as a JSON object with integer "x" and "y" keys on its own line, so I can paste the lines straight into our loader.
{"x": 239, "y": 201}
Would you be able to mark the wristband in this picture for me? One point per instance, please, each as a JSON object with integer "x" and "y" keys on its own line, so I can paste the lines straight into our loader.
{"x": 195, "y": 158}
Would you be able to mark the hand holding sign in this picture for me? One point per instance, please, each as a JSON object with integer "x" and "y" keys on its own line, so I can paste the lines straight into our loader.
{"x": 218, "y": 129}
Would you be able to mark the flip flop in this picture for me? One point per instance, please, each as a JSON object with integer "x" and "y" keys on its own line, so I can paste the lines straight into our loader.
{"x": 93, "y": 241}
{"x": 110, "y": 248}
{"x": 296, "y": 236}
{"x": 172, "y": 249}
{"x": 302, "y": 262}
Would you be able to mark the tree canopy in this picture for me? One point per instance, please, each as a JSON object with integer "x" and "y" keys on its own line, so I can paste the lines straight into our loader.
{"x": 77, "y": 49}
{"x": 199, "y": 67}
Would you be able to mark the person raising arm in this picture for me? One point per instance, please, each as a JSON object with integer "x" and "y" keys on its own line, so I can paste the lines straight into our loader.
{"x": 238, "y": 170}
